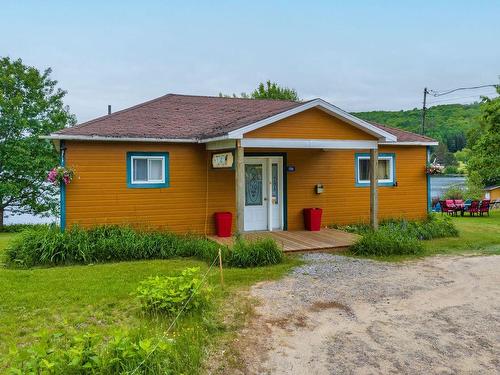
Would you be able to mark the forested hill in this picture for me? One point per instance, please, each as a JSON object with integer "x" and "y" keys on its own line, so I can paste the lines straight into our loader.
{"x": 448, "y": 123}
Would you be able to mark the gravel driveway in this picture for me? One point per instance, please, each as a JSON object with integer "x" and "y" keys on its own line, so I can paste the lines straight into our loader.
{"x": 339, "y": 315}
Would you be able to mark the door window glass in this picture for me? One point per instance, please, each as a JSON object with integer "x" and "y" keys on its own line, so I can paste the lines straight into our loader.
{"x": 253, "y": 184}
{"x": 275, "y": 182}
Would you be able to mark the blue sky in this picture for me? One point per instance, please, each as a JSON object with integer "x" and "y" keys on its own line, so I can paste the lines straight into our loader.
{"x": 360, "y": 55}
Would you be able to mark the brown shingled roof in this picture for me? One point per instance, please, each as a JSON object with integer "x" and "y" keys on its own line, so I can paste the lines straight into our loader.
{"x": 403, "y": 135}
{"x": 181, "y": 117}
{"x": 174, "y": 116}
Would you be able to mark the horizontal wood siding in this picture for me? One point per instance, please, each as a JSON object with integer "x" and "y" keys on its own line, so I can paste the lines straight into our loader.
{"x": 311, "y": 124}
{"x": 495, "y": 194}
{"x": 99, "y": 193}
{"x": 342, "y": 201}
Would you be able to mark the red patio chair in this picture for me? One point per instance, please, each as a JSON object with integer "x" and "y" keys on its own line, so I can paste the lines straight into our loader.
{"x": 484, "y": 207}
{"x": 459, "y": 206}
{"x": 473, "y": 208}
{"x": 445, "y": 207}
{"x": 451, "y": 204}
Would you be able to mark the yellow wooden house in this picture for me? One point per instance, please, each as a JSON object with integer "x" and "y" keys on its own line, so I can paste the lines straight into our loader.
{"x": 174, "y": 161}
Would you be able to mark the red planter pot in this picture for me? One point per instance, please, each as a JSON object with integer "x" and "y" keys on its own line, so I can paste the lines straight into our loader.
{"x": 312, "y": 218}
{"x": 223, "y": 223}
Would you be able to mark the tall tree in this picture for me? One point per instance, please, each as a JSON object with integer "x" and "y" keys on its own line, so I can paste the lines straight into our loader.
{"x": 485, "y": 155}
{"x": 30, "y": 106}
{"x": 271, "y": 90}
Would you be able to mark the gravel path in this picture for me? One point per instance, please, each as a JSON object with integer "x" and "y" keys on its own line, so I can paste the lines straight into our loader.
{"x": 339, "y": 315}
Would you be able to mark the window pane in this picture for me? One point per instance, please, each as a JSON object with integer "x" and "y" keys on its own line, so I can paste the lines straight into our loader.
{"x": 364, "y": 169}
{"x": 140, "y": 170}
{"x": 155, "y": 169}
{"x": 275, "y": 181}
{"x": 253, "y": 184}
{"x": 384, "y": 169}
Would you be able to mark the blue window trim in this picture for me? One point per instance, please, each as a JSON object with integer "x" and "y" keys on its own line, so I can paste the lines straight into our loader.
{"x": 148, "y": 186}
{"x": 62, "y": 188}
{"x": 367, "y": 184}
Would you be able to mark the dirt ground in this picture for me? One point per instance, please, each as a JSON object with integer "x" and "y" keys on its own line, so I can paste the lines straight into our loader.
{"x": 339, "y": 315}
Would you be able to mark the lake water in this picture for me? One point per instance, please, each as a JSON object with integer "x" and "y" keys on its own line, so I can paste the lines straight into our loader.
{"x": 439, "y": 184}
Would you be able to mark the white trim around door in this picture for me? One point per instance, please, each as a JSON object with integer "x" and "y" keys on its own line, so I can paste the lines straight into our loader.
{"x": 263, "y": 193}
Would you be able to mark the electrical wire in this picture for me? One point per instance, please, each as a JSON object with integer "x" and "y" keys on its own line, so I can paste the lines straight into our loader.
{"x": 446, "y": 92}
{"x": 456, "y": 98}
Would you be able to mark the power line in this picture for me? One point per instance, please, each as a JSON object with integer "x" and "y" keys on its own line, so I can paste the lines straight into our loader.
{"x": 454, "y": 98}
{"x": 446, "y": 92}
{"x": 436, "y": 93}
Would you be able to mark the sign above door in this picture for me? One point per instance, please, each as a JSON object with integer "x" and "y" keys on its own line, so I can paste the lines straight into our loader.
{"x": 222, "y": 160}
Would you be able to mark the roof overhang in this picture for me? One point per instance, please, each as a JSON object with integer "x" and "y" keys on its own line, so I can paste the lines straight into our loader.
{"x": 429, "y": 143}
{"x": 324, "y": 144}
{"x": 316, "y": 103}
{"x": 60, "y": 137}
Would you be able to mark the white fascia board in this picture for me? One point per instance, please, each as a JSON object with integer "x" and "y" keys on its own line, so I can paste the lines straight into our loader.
{"x": 429, "y": 143}
{"x": 117, "y": 139}
{"x": 223, "y": 144}
{"x": 219, "y": 138}
{"x": 331, "y": 109}
{"x": 308, "y": 143}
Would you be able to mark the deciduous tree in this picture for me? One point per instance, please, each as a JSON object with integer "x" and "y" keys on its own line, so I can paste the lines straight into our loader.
{"x": 30, "y": 106}
{"x": 485, "y": 156}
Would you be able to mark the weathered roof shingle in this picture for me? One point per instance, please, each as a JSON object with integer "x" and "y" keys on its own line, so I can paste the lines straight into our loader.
{"x": 176, "y": 116}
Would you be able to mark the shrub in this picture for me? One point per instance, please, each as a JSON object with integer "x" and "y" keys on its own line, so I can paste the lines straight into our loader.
{"x": 90, "y": 354}
{"x": 399, "y": 236}
{"x": 454, "y": 192}
{"x": 435, "y": 226}
{"x": 451, "y": 169}
{"x": 47, "y": 245}
{"x": 170, "y": 294}
{"x": 387, "y": 241}
{"x": 261, "y": 252}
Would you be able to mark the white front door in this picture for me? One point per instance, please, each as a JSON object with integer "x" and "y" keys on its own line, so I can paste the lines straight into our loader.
{"x": 263, "y": 193}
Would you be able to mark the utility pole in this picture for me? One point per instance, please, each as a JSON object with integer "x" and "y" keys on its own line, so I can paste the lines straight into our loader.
{"x": 435, "y": 93}
{"x": 423, "y": 110}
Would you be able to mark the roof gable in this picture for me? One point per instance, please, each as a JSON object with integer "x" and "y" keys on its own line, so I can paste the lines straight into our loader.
{"x": 313, "y": 123}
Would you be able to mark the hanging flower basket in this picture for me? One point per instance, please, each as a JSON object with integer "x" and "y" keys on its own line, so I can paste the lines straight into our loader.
{"x": 60, "y": 175}
{"x": 434, "y": 168}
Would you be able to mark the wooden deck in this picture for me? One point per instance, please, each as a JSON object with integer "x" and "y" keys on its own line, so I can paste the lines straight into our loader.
{"x": 326, "y": 239}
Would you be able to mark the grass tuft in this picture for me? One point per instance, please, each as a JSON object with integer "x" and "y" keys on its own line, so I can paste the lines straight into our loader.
{"x": 260, "y": 252}
{"x": 48, "y": 246}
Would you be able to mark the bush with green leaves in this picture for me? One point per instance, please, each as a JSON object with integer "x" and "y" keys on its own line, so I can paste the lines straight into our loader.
{"x": 170, "y": 295}
{"x": 400, "y": 237}
{"x": 387, "y": 241}
{"x": 87, "y": 353}
{"x": 454, "y": 192}
{"x": 260, "y": 252}
{"x": 435, "y": 226}
{"x": 47, "y": 245}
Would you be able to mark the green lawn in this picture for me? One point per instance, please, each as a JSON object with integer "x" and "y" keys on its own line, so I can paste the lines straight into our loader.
{"x": 97, "y": 298}
{"x": 479, "y": 235}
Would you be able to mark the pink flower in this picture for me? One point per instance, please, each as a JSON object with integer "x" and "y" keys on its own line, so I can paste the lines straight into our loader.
{"x": 52, "y": 176}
